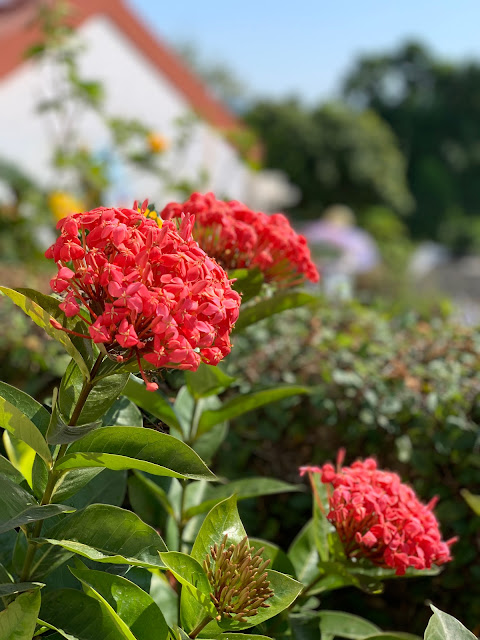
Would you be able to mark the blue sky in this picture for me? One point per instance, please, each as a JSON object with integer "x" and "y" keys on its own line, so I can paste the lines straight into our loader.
{"x": 280, "y": 47}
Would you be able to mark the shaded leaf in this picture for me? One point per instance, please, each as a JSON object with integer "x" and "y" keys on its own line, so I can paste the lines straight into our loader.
{"x": 153, "y": 402}
{"x": 10, "y": 588}
{"x": 345, "y": 625}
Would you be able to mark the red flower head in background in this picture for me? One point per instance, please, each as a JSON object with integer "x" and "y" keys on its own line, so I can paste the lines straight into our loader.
{"x": 145, "y": 289}
{"x": 240, "y": 238}
{"x": 380, "y": 518}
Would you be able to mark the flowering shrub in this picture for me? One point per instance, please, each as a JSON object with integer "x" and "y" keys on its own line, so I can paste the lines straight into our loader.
{"x": 239, "y": 238}
{"x": 380, "y": 518}
{"x": 144, "y": 290}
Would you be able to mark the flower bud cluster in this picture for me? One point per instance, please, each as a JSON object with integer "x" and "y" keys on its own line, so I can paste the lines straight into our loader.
{"x": 238, "y": 578}
{"x": 380, "y": 518}
{"x": 240, "y": 238}
{"x": 145, "y": 288}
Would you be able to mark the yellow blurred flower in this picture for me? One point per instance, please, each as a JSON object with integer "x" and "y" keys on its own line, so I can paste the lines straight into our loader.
{"x": 156, "y": 142}
{"x": 63, "y": 204}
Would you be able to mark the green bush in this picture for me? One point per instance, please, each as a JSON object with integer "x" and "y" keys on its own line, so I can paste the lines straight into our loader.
{"x": 401, "y": 389}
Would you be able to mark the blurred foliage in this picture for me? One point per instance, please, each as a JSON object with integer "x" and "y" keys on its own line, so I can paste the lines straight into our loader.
{"x": 432, "y": 107}
{"x": 401, "y": 389}
{"x": 333, "y": 154}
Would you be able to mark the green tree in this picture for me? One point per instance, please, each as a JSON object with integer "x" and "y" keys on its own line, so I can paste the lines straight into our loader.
{"x": 433, "y": 108}
{"x": 334, "y": 154}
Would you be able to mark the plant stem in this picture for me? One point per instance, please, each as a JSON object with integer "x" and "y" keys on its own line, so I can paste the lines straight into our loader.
{"x": 198, "y": 628}
{"x": 52, "y": 474}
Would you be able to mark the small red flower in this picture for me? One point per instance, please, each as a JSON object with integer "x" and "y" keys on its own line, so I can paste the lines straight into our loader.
{"x": 240, "y": 238}
{"x": 380, "y": 518}
{"x": 145, "y": 291}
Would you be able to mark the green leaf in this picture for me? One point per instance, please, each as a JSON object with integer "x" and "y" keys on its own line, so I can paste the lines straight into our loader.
{"x": 243, "y": 489}
{"x": 100, "y": 398}
{"x": 443, "y": 626}
{"x": 148, "y": 500}
{"x": 59, "y": 432}
{"x": 305, "y": 625}
{"x": 18, "y": 507}
{"x": 108, "y": 534}
{"x": 248, "y": 282}
{"x": 19, "y": 619}
{"x": 338, "y": 574}
{"x": 191, "y": 575}
{"x": 135, "y": 448}
{"x": 241, "y": 636}
{"x": 7, "y": 469}
{"x": 153, "y": 402}
{"x": 10, "y": 588}
{"x": 472, "y": 500}
{"x": 123, "y": 413}
{"x": 100, "y": 486}
{"x": 278, "y": 558}
{"x": 392, "y": 635}
{"x": 270, "y": 306}
{"x": 42, "y": 318}
{"x": 165, "y": 596}
{"x": 32, "y": 409}
{"x": 132, "y": 605}
{"x": 222, "y": 520}
{"x": 324, "y": 531}
{"x": 31, "y": 467}
{"x": 345, "y": 625}
{"x": 76, "y": 616}
{"x": 304, "y": 555}
{"x": 185, "y": 407}
{"x": 17, "y": 423}
{"x": 207, "y": 380}
{"x": 247, "y": 402}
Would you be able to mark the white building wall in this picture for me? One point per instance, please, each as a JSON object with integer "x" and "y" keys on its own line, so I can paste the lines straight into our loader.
{"x": 134, "y": 88}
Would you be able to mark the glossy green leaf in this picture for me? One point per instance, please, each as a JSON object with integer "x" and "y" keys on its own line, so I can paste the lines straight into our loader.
{"x": 247, "y": 402}
{"x": 191, "y": 575}
{"x": 99, "y": 486}
{"x": 222, "y": 520}
{"x": 153, "y": 402}
{"x": 472, "y": 500}
{"x": 11, "y": 588}
{"x": 17, "y": 423}
{"x": 99, "y": 400}
{"x": 248, "y": 282}
{"x": 185, "y": 408}
{"x": 19, "y": 619}
{"x": 443, "y": 626}
{"x": 243, "y": 489}
{"x": 270, "y": 306}
{"x": 42, "y": 318}
{"x": 345, "y": 625}
{"x": 324, "y": 531}
{"x": 135, "y": 448}
{"x": 133, "y": 606}
{"x": 70, "y": 483}
{"x": 76, "y": 616}
{"x": 207, "y": 380}
{"x": 105, "y": 533}
{"x": 18, "y": 507}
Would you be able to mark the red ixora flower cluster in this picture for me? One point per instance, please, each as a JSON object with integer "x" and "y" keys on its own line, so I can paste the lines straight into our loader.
{"x": 145, "y": 289}
{"x": 378, "y": 517}
{"x": 240, "y": 238}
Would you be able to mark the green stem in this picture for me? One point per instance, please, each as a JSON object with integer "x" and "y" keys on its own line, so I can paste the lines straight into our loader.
{"x": 52, "y": 474}
{"x": 201, "y": 626}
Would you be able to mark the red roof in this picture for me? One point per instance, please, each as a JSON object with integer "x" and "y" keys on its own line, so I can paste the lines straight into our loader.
{"x": 17, "y": 34}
